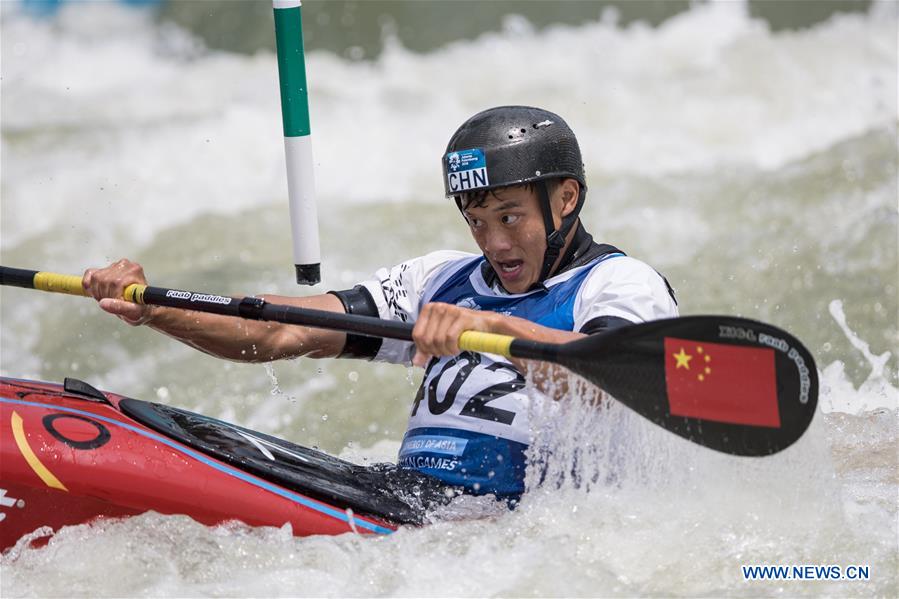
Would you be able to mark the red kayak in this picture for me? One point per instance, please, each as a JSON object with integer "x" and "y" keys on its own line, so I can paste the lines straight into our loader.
{"x": 70, "y": 453}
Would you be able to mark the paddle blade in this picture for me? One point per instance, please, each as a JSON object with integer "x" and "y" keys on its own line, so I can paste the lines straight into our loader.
{"x": 731, "y": 384}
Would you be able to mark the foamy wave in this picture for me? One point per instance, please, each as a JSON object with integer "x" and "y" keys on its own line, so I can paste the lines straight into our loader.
{"x": 838, "y": 394}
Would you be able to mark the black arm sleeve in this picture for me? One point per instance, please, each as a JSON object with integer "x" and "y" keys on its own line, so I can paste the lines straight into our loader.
{"x": 358, "y": 300}
{"x": 601, "y": 324}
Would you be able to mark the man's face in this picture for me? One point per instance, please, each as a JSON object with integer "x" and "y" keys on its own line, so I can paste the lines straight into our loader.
{"x": 508, "y": 227}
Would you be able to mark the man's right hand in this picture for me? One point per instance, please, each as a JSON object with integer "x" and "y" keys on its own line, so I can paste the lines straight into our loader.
{"x": 222, "y": 336}
{"x": 107, "y": 286}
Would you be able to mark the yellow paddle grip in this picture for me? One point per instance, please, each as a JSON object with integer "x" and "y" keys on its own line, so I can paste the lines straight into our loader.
{"x": 57, "y": 283}
{"x": 486, "y": 343}
{"x": 71, "y": 284}
{"x": 134, "y": 293}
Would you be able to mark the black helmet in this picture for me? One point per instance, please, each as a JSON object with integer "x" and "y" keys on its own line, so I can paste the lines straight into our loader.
{"x": 514, "y": 145}
{"x": 510, "y": 145}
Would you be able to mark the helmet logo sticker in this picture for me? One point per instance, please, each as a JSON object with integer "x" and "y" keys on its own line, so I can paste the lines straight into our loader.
{"x": 466, "y": 169}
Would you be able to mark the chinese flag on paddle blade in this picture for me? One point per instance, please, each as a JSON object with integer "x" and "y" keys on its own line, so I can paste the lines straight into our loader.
{"x": 724, "y": 383}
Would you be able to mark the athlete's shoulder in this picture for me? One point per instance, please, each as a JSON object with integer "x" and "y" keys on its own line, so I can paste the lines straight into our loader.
{"x": 418, "y": 273}
{"x": 397, "y": 290}
{"x": 622, "y": 289}
{"x": 617, "y": 264}
{"x": 440, "y": 259}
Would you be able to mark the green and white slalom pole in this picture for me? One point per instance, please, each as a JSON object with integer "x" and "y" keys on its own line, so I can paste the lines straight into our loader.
{"x": 297, "y": 140}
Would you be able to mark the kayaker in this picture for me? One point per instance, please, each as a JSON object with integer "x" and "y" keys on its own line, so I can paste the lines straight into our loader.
{"x": 516, "y": 175}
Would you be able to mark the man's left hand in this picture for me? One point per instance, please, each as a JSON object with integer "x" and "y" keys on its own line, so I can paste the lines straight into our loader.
{"x": 439, "y": 326}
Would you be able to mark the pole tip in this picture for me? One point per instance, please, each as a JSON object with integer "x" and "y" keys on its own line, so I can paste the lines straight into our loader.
{"x": 308, "y": 274}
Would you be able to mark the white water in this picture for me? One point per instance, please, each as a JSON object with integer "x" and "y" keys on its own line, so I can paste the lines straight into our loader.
{"x": 757, "y": 170}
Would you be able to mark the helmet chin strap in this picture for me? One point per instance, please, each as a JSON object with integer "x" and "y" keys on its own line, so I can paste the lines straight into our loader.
{"x": 555, "y": 238}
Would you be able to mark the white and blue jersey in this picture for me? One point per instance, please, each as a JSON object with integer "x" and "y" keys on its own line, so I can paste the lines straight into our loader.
{"x": 469, "y": 422}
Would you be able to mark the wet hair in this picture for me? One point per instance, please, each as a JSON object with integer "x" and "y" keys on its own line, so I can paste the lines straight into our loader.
{"x": 477, "y": 199}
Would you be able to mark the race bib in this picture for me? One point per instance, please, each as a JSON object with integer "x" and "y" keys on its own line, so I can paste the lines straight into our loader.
{"x": 473, "y": 392}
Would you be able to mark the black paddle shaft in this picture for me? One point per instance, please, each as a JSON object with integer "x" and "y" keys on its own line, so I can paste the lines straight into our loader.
{"x": 255, "y": 308}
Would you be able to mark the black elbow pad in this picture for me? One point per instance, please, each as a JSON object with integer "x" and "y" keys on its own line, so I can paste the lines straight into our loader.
{"x": 358, "y": 300}
{"x": 601, "y": 324}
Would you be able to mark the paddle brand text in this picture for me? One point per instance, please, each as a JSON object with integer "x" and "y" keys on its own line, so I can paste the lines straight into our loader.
{"x": 792, "y": 353}
{"x": 731, "y": 332}
{"x": 206, "y": 298}
{"x": 774, "y": 342}
{"x": 804, "y": 379}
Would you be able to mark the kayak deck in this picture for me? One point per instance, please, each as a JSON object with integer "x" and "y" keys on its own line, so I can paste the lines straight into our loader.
{"x": 69, "y": 454}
